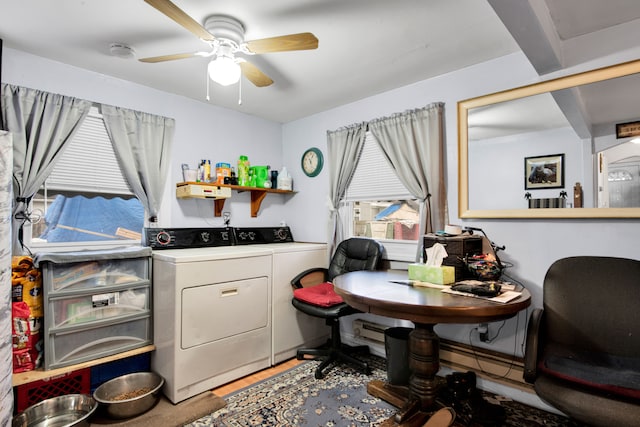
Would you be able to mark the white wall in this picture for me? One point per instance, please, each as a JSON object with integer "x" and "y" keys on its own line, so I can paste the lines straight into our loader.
{"x": 513, "y": 71}
{"x": 497, "y": 171}
{"x": 531, "y": 245}
{"x": 203, "y": 131}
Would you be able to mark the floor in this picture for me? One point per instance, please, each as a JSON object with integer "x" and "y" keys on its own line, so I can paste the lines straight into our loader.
{"x": 255, "y": 377}
{"x": 522, "y": 416}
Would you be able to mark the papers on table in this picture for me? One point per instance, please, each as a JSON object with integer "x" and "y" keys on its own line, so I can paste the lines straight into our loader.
{"x": 420, "y": 284}
{"x": 505, "y": 296}
{"x": 507, "y": 293}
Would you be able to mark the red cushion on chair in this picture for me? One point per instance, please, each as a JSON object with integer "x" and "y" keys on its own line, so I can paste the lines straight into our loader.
{"x": 321, "y": 295}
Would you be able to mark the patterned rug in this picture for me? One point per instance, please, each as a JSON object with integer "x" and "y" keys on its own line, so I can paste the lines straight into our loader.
{"x": 296, "y": 398}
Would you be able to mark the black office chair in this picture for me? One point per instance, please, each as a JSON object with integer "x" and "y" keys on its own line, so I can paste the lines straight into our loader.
{"x": 583, "y": 347}
{"x": 313, "y": 295}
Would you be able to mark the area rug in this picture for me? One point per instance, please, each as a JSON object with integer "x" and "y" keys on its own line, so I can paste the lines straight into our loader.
{"x": 166, "y": 414}
{"x": 296, "y": 398}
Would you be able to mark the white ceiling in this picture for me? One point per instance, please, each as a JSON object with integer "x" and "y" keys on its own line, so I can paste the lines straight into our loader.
{"x": 365, "y": 46}
{"x": 573, "y": 20}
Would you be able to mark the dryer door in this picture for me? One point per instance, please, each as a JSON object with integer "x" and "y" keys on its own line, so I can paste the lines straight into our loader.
{"x": 214, "y": 312}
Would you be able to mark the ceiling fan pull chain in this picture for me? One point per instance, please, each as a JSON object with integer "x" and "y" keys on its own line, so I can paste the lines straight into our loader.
{"x": 207, "y": 77}
{"x": 240, "y": 91}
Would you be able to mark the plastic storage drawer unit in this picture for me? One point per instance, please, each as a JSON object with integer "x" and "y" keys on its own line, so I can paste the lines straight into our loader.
{"x": 96, "y": 303}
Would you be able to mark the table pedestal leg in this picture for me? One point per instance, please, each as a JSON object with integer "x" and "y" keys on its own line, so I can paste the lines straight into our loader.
{"x": 424, "y": 363}
{"x": 416, "y": 401}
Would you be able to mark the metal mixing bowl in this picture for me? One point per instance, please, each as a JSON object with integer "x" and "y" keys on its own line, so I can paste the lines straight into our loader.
{"x": 143, "y": 387}
{"x": 62, "y": 411}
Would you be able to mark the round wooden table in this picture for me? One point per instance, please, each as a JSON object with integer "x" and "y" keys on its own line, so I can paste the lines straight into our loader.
{"x": 376, "y": 292}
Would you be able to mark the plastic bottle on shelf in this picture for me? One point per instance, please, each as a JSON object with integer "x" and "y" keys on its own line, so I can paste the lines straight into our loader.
{"x": 200, "y": 177}
{"x": 233, "y": 179}
{"x": 243, "y": 170}
{"x": 207, "y": 171}
{"x": 285, "y": 182}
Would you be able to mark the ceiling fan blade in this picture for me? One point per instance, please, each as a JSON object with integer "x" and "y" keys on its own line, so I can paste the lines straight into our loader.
{"x": 301, "y": 41}
{"x": 254, "y": 74}
{"x": 163, "y": 58}
{"x": 178, "y": 15}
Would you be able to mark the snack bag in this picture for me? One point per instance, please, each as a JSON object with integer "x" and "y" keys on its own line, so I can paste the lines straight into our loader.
{"x": 26, "y": 281}
{"x": 21, "y": 338}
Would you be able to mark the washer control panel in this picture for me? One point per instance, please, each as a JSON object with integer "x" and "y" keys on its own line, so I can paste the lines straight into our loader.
{"x": 257, "y": 235}
{"x": 181, "y": 238}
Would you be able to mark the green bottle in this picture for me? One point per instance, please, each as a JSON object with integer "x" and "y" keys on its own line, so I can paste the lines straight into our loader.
{"x": 243, "y": 170}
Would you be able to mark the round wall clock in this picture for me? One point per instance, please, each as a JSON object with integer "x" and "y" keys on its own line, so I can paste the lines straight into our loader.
{"x": 312, "y": 162}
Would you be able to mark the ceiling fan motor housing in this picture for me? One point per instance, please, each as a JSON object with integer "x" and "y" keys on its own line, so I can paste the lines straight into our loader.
{"x": 225, "y": 28}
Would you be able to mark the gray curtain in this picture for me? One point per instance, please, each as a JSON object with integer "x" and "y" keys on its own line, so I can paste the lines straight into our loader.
{"x": 142, "y": 143}
{"x": 343, "y": 151}
{"x": 41, "y": 124}
{"x": 413, "y": 142}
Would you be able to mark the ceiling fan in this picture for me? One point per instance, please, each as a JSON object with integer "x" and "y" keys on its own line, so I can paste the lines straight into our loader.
{"x": 225, "y": 36}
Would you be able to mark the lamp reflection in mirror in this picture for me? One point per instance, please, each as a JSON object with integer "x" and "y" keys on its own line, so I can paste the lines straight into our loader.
{"x": 224, "y": 70}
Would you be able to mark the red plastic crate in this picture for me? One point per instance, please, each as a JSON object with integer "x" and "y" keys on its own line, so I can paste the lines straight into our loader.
{"x": 404, "y": 232}
{"x": 76, "y": 382}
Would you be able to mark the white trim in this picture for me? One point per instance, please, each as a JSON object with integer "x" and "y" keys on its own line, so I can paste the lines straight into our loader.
{"x": 89, "y": 245}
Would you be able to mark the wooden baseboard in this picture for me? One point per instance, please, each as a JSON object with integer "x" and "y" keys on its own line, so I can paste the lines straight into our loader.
{"x": 494, "y": 366}
{"x": 488, "y": 364}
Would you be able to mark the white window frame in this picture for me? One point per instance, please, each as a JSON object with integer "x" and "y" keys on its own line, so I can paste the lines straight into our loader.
{"x": 75, "y": 172}
{"x": 373, "y": 180}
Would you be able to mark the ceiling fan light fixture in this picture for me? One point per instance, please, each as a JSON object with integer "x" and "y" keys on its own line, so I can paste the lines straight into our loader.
{"x": 224, "y": 71}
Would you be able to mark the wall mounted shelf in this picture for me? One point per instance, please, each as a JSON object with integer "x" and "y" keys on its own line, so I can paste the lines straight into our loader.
{"x": 257, "y": 195}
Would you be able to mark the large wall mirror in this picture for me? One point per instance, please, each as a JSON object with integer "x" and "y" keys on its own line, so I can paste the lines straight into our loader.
{"x": 522, "y": 151}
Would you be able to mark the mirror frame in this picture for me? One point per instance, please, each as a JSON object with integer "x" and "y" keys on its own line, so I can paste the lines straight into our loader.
{"x": 600, "y": 74}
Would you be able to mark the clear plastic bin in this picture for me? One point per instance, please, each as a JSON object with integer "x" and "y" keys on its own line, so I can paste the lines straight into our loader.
{"x": 76, "y": 271}
{"x": 88, "y": 308}
{"x": 96, "y": 274}
{"x": 70, "y": 347}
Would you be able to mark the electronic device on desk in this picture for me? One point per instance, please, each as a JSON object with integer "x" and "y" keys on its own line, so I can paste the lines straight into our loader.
{"x": 476, "y": 287}
{"x": 458, "y": 248}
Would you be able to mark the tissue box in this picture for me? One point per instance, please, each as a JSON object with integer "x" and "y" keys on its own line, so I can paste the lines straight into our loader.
{"x": 443, "y": 275}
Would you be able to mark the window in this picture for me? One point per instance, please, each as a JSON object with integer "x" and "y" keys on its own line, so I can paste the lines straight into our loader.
{"x": 86, "y": 201}
{"x": 378, "y": 205}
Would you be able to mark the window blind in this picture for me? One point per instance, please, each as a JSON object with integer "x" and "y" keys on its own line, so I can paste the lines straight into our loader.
{"x": 88, "y": 163}
{"x": 374, "y": 178}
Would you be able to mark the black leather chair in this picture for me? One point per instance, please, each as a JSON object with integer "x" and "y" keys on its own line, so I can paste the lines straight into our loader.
{"x": 350, "y": 255}
{"x": 583, "y": 347}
